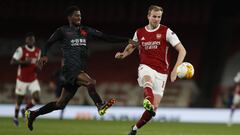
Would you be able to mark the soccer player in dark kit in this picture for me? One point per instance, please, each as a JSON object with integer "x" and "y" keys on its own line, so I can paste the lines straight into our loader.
{"x": 74, "y": 44}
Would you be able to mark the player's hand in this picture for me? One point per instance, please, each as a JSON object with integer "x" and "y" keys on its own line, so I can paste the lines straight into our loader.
{"x": 119, "y": 55}
{"x": 173, "y": 75}
{"x": 42, "y": 61}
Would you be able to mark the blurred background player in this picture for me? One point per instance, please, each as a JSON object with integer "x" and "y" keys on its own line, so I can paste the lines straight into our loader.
{"x": 153, "y": 70}
{"x": 57, "y": 83}
{"x": 236, "y": 97}
{"x": 26, "y": 57}
{"x": 74, "y": 44}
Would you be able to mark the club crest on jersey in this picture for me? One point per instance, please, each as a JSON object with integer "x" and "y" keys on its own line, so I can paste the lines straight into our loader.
{"x": 158, "y": 36}
{"x": 83, "y": 33}
{"x": 142, "y": 38}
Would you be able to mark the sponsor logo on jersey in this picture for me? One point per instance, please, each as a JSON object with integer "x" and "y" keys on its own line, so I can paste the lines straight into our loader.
{"x": 78, "y": 42}
{"x": 151, "y": 44}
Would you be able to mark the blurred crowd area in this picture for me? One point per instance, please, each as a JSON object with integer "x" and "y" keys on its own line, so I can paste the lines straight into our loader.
{"x": 181, "y": 94}
{"x": 209, "y": 30}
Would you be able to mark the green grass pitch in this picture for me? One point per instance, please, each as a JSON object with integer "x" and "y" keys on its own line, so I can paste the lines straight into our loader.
{"x": 87, "y": 127}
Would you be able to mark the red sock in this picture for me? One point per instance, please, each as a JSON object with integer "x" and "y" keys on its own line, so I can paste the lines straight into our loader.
{"x": 144, "y": 119}
{"x": 148, "y": 94}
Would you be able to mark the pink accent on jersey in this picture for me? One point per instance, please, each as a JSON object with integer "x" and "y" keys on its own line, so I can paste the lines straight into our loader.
{"x": 153, "y": 49}
{"x": 28, "y": 73}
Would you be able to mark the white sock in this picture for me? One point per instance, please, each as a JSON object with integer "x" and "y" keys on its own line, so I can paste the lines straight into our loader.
{"x": 135, "y": 127}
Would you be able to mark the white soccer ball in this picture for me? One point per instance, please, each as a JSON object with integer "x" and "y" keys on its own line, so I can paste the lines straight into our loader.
{"x": 185, "y": 70}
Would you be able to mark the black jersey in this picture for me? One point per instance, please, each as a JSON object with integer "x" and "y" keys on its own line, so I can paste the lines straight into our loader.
{"x": 74, "y": 44}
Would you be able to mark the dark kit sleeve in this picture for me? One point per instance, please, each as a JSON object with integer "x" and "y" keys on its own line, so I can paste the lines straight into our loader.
{"x": 106, "y": 37}
{"x": 56, "y": 36}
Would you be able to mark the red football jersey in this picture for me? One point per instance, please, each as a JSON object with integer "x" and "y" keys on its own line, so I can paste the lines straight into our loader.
{"x": 27, "y": 73}
{"x": 153, "y": 48}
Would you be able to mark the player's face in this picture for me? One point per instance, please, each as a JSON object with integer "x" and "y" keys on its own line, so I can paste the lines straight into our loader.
{"x": 75, "y": 19}
{"x": 154, "y": 18}
{"x": 30, "y": 40}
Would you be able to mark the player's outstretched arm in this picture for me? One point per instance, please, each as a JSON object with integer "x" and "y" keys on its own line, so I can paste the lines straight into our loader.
{"x": 56, "y": 36}
{"x": 107, "y": 37}
{"x": 127, "y": 51}
{"x": 181, "y": 55}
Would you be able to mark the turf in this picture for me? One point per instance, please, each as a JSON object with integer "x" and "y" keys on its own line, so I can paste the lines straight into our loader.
{"x": 87, "y": 127}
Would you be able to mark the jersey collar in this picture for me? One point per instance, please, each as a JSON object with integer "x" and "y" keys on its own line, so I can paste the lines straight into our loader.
{"x": 30, "y": 49}
{"x": 153, "y": 29}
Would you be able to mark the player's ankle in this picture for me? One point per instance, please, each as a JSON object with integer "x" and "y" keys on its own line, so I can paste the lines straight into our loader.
{"x": 134, "y": 128}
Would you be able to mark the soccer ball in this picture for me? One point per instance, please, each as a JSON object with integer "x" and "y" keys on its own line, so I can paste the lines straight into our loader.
{"x": 185, "y": 70}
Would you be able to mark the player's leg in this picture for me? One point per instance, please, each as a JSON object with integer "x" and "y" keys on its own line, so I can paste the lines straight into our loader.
{"x": 146, "y": 116}
{"x": 84, "y": 79}
{"x": 61, "y": 102}
{"x": 35, "y": 99}
{"x": 154, "y": 87}
{"x": 236, "y": 101}
{"x": 145, "y": 80}
{"x": 34, "y": 88}
{"x": 148, "y": 93}
{"x": 61, "y": 114}
{"x": 19, "y": 100}
{"x": 148, "y": 104}
{"x": 20, "y": 92}
{"x": 233, "y": 107}
{"x": 58, "y": 94}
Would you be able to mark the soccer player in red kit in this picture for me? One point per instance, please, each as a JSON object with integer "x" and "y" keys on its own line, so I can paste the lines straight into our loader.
{"x": 236, "y": 97}
{"x": 26, "y": 57}
{"x": 154, "y": 42}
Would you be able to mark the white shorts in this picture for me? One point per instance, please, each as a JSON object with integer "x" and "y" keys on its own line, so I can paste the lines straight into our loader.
{"x": 159, "y": 80}
{"x": 23, "y": 88}
{"x": 236, "y": 99}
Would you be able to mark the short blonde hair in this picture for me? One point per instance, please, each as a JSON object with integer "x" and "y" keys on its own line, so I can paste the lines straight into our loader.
{"x": 154, "y": 8}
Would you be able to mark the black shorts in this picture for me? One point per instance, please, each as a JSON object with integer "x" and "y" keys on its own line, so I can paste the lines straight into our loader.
{"x": 71, "y": 72}
{"x": 70, "y": 79}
